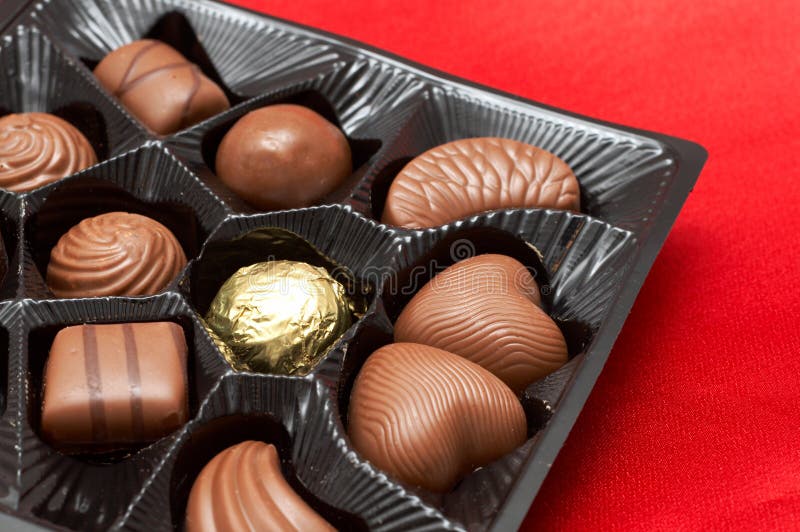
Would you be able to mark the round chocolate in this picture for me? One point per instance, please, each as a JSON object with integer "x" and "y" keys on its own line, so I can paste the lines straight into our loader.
{"x": 114, "y": 254}
{"x": 39, "y": 148}
{"x": 283, "y": 156}
{"x": 488, "y": 310}
{"x": 470, "y": 176}
{"x": 429, "y": 417}
{"x": 159, "y": 86}
{"x": 243, "y": 488}
{"x": 279, "y": 316}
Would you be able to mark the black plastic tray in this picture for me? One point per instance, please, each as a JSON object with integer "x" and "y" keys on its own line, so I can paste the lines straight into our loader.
{"x": 633, "y": 185}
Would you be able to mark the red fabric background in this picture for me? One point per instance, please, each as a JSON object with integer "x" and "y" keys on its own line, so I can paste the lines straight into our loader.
{"x": 695, "y": 421}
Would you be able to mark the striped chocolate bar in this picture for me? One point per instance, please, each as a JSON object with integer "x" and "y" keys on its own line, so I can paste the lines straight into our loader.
{"x": 114, "y": 386}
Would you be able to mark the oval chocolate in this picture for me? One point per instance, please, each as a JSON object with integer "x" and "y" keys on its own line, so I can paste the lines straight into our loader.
{"x": 159, "y": 86}
{"x": 470, "y": 176}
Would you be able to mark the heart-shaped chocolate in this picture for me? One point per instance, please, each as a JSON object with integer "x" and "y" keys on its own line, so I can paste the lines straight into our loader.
{"x": 429, "y": 417}
{"x": 469, "y": 176}
{"x": 487, "y": 309}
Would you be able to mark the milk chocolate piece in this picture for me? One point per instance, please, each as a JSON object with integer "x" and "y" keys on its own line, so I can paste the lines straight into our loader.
{"x": 39, "y": 148}
{"x": 470, "y": 176}
{"x": 114, "y": 386}
{"x": 488, "y": 310}
{"x": 114, "y": 254}
{"x": 243, "y": 488}
{"x": 159, "y": 86}
{"x": 283, "y": 156}
{"x": 429, "y": 417}
{"x": 279, "y": 316}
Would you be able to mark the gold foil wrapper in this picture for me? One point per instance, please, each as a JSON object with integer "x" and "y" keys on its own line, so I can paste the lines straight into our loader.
{"x": 279, "y": 316}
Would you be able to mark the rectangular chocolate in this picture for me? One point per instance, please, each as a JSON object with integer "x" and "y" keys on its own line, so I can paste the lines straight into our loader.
{"x": 117, "y": 385}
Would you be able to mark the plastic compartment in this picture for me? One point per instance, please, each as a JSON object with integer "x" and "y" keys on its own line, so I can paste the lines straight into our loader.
{"x": 368, "y": 101}
{"x": 38, "y": 77}
{"x": 59, "y": 487}
{"x": 623, "y": 177}
{"x": 148, "y": 181}
{"x": 591, "y": 264}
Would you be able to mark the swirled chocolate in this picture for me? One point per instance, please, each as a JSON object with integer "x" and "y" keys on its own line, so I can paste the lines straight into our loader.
{"x": 114, "y": 254}
{"x": 283, "y": 157}
{"x": 470, "y": 176}
{"x": 488, "y": 310}
{"x": 159, "y": 86}
{"x": 243, "y": 488}
{"x": 429, "y": 417}
{"x": 39, "y": 148}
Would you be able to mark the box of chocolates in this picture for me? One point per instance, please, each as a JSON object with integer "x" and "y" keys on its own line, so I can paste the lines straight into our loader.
{"x": 260, "y": 277}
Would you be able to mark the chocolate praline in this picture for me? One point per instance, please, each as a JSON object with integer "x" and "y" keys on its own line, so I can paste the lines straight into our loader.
{"x": 114, "y": 386}
{"x": 283, "y": 156}
{"x": 487, "y": 309}
{"x": 429, "y": 417}
{"x": 243, "y": 488}
{"x": 39, "y": 148}
{"x": 159, "y": 86}
{"x": 474, "y": 175}
{"x": 114, "y": 254}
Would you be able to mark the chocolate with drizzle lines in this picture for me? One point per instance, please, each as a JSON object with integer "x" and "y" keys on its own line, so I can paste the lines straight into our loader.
{"x": 114, "y": 386}
{"x": 159, "y": 86}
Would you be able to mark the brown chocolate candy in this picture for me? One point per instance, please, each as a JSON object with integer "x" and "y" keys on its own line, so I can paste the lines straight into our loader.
{"x": 488, "y": 310}
{"x": 242, "y": 488}
{"x": 114, "y": 386}
{"x": 283, "y": 156}
{"x": 159, "y": 86}
{"x": 470, "y": 176}
{"x": 429, "y": 417}
{"x": 114, "y": 254}
{"x": 39, "y": 148}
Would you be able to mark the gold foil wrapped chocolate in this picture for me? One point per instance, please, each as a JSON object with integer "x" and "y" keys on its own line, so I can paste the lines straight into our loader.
{"x": 279, "y": 317}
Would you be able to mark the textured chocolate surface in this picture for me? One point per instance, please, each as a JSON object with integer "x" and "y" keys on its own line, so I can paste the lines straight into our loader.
{"x": 115, "y": 385}
{"x": 283, "y": 156}
{"x": 429, "y": 417}
{"x": 243, "y": 488}
{"x": 39, "y": 148}
{"x": 114, "y": 254}
{"x": 487, "y": 309}
{"x": 159, "y": 86}
{"x": 474, "y": 175}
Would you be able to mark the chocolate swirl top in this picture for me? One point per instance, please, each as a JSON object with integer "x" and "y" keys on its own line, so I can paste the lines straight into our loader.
{"x": 39, "y": 148}
{"x": 429, "y": 417}
{"x": 114, "y": 254}
{"x": 470, "y": 176}
{"x": 160, "y": 86}
{"x": 243, "y": 488}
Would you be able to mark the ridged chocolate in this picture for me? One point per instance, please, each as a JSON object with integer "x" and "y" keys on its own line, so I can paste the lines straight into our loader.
{"x": 474, "y": 175}
{"x": 159, "y": 86}
{"x": 487, "y": 309}
{"x": 283, "y": 156}
{"x": 39, "y": 148}
{"x": 243, "y": 488}
{"x": 108, "y": 386}
{"x": 429, "y": 417}
{"x": 114, "y": 254}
